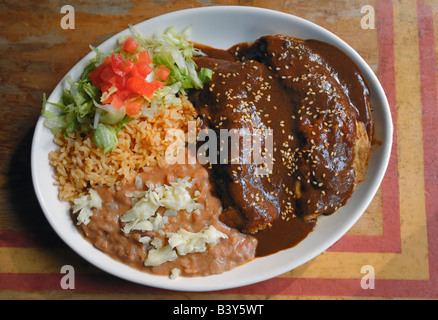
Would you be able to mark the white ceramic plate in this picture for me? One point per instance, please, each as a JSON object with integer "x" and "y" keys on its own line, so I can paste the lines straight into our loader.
{"x": 222, "y": 27}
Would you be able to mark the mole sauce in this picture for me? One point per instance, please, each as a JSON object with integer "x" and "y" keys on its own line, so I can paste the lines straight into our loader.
{"x": 316, "y": 102}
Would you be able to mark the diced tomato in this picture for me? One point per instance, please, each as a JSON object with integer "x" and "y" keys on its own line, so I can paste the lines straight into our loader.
{"x": 141, "y": 71}
{"x": 116, "y": 64}
{"x": 132, "y": 108}
{"x": 130, "y": 45}
{"x": 143, "y": 57}
{"x": 128, "y": 65}
{"x": 95, "y": 75}
{"x": 120, "y": 82}
{"x": 124, "y": 94}
{"x": 144, "y": 69}
{"x": 115, "y": 101}
{"x": 128, "y": 76}
{"x": 107, "y": 61}
{"x": 162, "y": 72}
{"x": 140, "y": 86}
{"x": 135, "y": 84}
{"x": 120, "y": 66}
{"x": 134, "y": 72}
{"x": 108, "y": 75}
{"x": 149, "y": 88}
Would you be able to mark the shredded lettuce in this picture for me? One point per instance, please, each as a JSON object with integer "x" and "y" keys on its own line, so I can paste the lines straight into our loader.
{"x": 105, "y": 137}
{"x": 75, "y": 109}
{"x": 205, "y": 74}
{"x": 108, "y": 115}
{"x": 98, "y": 58}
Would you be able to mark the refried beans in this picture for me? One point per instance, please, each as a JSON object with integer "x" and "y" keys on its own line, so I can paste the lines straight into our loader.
{"x": 104, "y": 230}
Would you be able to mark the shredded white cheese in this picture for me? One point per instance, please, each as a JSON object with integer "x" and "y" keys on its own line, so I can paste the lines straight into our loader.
{"x": 145, "y": 240}
{"x": 84, "y": 204}
{"x": 189, "y": 242}
{"x": 173, "y": 197}
{"x": 181, "y": 243}
{"x": 157, "y": 257}
{"x": 143, "y": 216}
{"x": 175, "y": 273}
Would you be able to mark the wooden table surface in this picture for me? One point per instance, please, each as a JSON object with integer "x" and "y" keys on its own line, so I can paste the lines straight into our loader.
{"x": 396, "y": 235}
